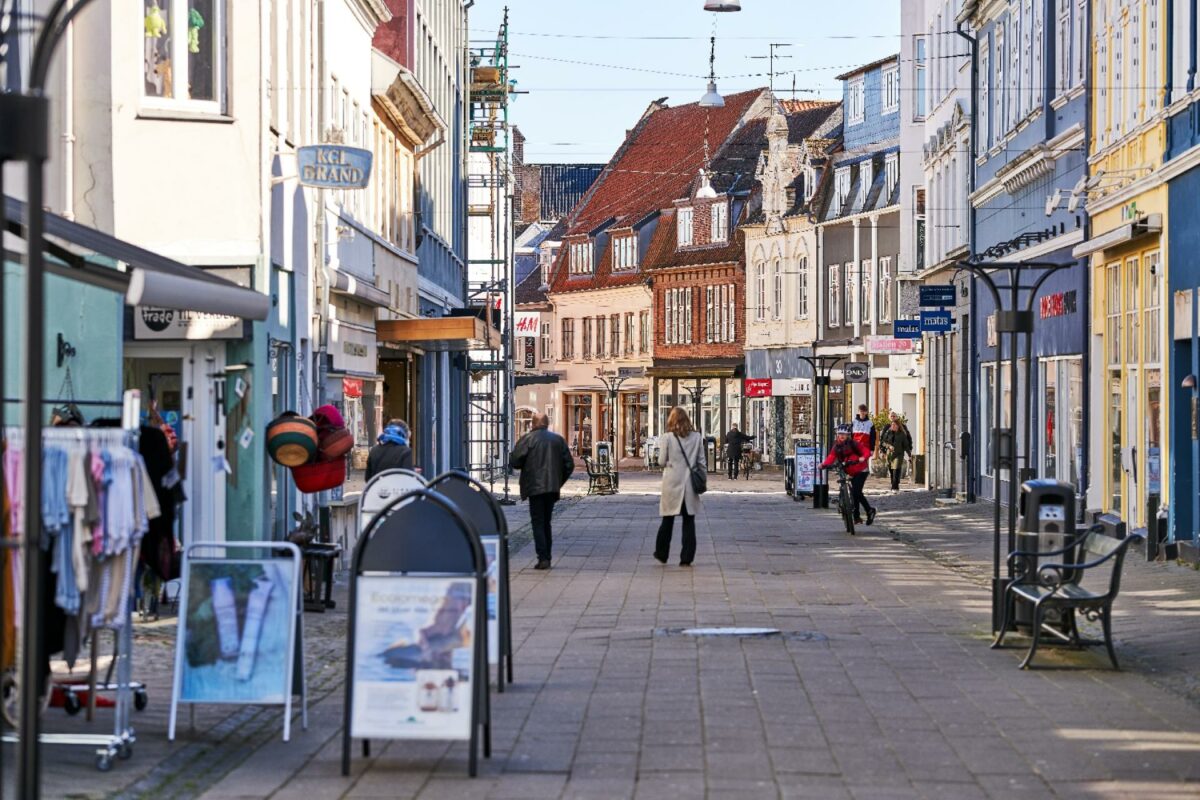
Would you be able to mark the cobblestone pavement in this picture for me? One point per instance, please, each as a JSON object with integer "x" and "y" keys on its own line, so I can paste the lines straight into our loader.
{"x": 881, "y": 686}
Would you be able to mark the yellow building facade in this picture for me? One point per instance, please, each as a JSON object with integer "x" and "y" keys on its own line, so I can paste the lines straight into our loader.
{"x": 1127, "y": 202}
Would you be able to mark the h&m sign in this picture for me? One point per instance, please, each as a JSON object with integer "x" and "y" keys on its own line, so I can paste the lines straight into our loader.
{"x": 333, "y": 166}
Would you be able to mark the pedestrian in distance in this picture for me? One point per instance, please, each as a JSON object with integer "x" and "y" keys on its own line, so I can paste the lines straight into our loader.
{"x": 733, "y": 450}
{"x": 545, "y": 462}
{"x": 682, "y": 450}
{"x": 864, "y": 429}
{"x": 856, "y": 460}
{"x": 393, "y": 451}
{"x": 896, "y": 445}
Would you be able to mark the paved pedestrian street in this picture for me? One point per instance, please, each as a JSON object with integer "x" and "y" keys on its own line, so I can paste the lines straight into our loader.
{"x": 880, "y": 685}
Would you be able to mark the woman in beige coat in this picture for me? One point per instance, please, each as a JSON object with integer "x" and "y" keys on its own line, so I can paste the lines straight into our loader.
{"x": 683, "y": 448}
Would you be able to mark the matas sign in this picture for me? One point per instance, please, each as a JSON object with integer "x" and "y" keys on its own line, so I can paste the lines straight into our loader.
{"x": 333, "y": 166}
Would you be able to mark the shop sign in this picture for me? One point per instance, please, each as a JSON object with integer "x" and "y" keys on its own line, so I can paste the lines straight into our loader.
{"x": 150, "y": 322}
{"x": 937, "y": 296}
{"x": 887, "y": 345}
{"x": 1183, "y": 314}
{"x": 907, "y": 329}
{"x": 352, "y": 387}
{"x": 631, "y": 372}
{"x": 527, "y": 324}
{"x": 530, "y": 353}
{"x": 855, "y": 373}
{"x": 333, "y": 166}
{"x": 992, "y": 338}
{"x": 353, "y": 348}
{"x": 1058, "y": 304}
{"x": 936, "y": 321}
{"x": 756, "y": 387}
{"x": 791, "y": 387}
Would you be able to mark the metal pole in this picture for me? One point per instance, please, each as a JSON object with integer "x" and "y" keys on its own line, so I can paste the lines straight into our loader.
{"x": 1013, "y": 344}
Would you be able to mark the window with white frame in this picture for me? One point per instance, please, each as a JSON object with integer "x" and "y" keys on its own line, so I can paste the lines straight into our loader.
{"x": 1062, "y": 28}
{"x": 625, "y": 252}
{"x": 919, "y": 77}
{"x": 760, "y": 291}
{"x": 1154, "y": 282}
{"x": 566, "y": 344}
{"x": 891, "y": 171}
{"x": 848, "y": 296}
{"x": 1038, "y": 37}
{"x": 891, "y": 90}
{"x": 1134, "y": 88}
{"x": 810, "y": 183}
{"x": 547, "y": 353}
{"x": 777, "y": 290}
{"x": 999, "y": 83}
{"x": 614, "y": 335}
{"x": 581, "y": 258}
{"x": 1153, "y": 89}
{"x": 719, "y": 322}
{"x": 720, "y": 221}
{"x": 1079, "y": 47}
{"x": 601, "y": 337}
{"x": 885, "y": 289}
{"x": 866, "y": 176}
{"x": 856, "y": 104}
{"x": 983, "y": 135}
{"x": 802, "y": 287}
{"x": 677, "y": 308}
{"x": 835, "y": 301}
{"x": 683, "y": 227}
{"x": 1117, "y": 92}
{"x": 867, "y": 300}
{"x": 1014, "y": 71}
{"x": 586, "y": 328}
{"x": 629, "y": 337}
{"x": 184, "y": 60}
{"x": 841, "y": 188}
{"x": 643, "y": 332}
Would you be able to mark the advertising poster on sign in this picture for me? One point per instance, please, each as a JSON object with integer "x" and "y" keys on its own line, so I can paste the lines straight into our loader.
{"x": 236, "y": 632}
{"x": 413, "y": 658}
{"x": 491, "y": 549}
{"x": 806, "y": 468}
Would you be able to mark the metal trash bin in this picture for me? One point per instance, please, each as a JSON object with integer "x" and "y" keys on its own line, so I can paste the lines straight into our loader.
{"x": 1046, "y": 524}
{"x": 710, "y": 446}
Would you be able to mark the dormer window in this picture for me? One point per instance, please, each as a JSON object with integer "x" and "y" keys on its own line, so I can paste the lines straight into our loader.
{"x": 720, "y": 222}
{"x": 683, "y": 227}
{"x": 891, "y": 171}
{"x": 856, "y": 105}
{"x": 866, "y": 176}
{"x": 891, "y": 90}
{"x": 625, "y": 252}
{"x": 841, "y": 188}
{"x": 810, "y": 183}
{"x": 581, "y": 258}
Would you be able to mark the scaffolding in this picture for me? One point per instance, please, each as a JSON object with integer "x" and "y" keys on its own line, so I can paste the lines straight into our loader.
{"x": 490, "y": 271}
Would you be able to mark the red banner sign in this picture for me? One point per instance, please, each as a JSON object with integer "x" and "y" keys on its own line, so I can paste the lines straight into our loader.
{"x": 756, "y": 387}
{"x": 352, "y": 387}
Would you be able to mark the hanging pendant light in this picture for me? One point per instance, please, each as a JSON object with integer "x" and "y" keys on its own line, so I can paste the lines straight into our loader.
{"x": 706, "y": 190}
{"x": 711, "y": 98}
{"x": 722, "y": 5}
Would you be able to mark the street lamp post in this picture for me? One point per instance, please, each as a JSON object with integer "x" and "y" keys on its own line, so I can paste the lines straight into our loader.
{"x": 822, "y": 367}
{"x": 612, "y": 383}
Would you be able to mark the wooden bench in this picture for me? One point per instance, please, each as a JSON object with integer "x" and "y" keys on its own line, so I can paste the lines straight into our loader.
{"x": 1059, "y": 585}
{"x": 600, "y": 478}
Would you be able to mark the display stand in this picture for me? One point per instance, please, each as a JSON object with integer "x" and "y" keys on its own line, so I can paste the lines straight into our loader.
{"x": 382, "y": 489}
{"x": 807, "y": 458}
{"x": 418, "y": 629}
{"x": 240, "y": 628}
{"x": 483, "y": 510}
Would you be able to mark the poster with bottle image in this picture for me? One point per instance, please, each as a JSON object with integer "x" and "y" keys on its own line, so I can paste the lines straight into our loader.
{"x": 413, "y": 658}
{"x": 491, "y": 550}
{"x": 236, "y": 632}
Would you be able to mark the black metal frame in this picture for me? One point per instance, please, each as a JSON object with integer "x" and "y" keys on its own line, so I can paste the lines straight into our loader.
{"x": 613, "y": 384}
{"x": 822, "y": 367}
{"x": 498, "y": 527}
{"x": 846, "y": 503}
{"x": 480, "y": 697}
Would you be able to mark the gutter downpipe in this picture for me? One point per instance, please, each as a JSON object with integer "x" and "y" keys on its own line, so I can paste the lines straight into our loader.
{"x": 1085, "y": 473}
{"x": 972, "y": 345}
{"x": 321, "y": 372}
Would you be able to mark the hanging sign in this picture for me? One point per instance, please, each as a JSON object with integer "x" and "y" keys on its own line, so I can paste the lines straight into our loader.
{"x": 936, "y": 321}
{"x": 887, "y": 345}
{"x": 855, "y": 373}
{"x": 413, "y": 658}
{"x": 756, "y": 387}
{"x": 937, "y": 296}
{"x": 333, "y": 166}
{"x": 1058, "y": 304}
{"x": 526, "y": 324}
{"x": 352, "y": 387}
{"x": 907, "y": 329}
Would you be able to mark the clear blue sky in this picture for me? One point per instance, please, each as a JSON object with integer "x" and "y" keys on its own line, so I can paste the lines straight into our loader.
{"x": 579, "y": 111}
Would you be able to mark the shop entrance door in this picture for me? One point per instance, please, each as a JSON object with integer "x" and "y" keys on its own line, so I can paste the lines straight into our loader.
{"x": 1131, "y": 453}
{"x": 182, "y": 382}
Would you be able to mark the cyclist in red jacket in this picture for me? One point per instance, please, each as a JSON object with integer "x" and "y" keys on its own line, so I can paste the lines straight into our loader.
{"x": 856, "y": 459}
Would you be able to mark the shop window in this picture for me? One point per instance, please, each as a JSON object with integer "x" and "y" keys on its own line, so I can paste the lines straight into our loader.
{"x": 1153, "y": 329}
{"x": 1116, "y": 405}
{"x": 184, "y": 59}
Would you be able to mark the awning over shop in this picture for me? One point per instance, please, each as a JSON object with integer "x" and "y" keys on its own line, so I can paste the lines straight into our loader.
{"x": 149, "y": 278}
{"x": 439, "y": 333}
{"x": 698, "y": 368}
{"x": 345, "y": 284}
{"x": 534, "y": 380}
{"x": 1151, "y": 223}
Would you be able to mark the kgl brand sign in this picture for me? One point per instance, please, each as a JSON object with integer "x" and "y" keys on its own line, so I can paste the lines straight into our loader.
{"x": 334, "y": 166}
{"x": 1058, "y": 304}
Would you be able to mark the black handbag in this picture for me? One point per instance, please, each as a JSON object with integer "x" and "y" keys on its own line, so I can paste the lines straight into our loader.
{"x": 698, "y": 474}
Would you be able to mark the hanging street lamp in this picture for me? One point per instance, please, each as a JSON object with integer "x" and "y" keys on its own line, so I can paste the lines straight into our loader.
{"x": 711, "y": 98}
{"x": 722, "y": 5}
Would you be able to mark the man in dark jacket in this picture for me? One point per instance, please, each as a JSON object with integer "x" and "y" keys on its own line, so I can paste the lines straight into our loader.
{"x": 394, "y": 450}
{"x": 733, "y": 450}
{"x": 545, "y": 463}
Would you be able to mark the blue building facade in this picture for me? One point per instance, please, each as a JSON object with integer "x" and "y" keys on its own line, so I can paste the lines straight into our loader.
{"x": 1030, "y": 148}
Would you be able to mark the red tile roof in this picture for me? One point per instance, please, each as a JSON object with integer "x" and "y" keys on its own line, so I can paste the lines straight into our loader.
{"x": 656, "y": 165}
{"x": 663, "y": 254}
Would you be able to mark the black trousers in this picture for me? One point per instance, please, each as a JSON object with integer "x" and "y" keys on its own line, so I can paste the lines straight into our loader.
{"x": 895, "y": 473}
{"x": 541, "y": 510}
{"x": 662, "y": 545}
{"x": 732, "y": 462}
{"x": 857, "y": 483}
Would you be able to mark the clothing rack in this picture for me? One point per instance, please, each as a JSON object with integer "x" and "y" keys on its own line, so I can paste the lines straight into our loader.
{"x": 118, "y": 744}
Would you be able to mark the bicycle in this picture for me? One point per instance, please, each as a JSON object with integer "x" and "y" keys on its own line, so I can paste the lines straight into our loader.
{"x": 747, "y": 460}
{"x": 845, "y": 499}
